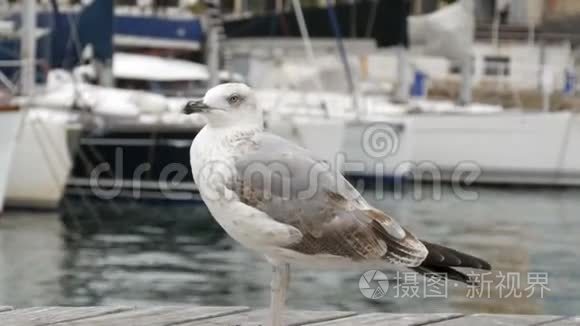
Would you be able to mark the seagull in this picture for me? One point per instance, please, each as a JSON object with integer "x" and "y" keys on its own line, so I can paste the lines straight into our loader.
{"x": 278, "y": 199}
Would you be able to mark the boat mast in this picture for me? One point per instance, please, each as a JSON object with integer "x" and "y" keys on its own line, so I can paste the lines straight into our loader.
{"x": 402, "y": 86}
{"x": 214, "y": 28}
{"x": 465, "y": 91}
{"x": 306, "y": 40}
{"x": 343, "y": 55}
{"x": 28, "y": 47}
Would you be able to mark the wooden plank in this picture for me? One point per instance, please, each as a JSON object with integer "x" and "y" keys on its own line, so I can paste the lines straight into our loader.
{"x": 565, "y": 321}
{"x": 260, "y": 317}
{"x": 490, "y": 320}
{"x": 159, "y": 316}
{"x": 228, "y": 316}
{"x": 390, "y": 319}
{"x": 5, "y": 308}
{"x": 41, "y": 316}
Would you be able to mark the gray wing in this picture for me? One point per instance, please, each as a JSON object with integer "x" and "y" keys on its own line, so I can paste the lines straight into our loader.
{"x": 293, "y": 187}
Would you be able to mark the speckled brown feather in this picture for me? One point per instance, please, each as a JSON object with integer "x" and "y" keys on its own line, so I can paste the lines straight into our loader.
{"x": 333, "y": 220}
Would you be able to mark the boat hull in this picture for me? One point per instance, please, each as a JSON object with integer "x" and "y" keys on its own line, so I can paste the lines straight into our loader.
{"x": 506, "y": 148}
{"x": 41, "y": 163}
{"x": 503, "y": 148}
{"x": 9, "y": 122}
{"x": 136, "y": 162}
{"x": 499, "y": 148}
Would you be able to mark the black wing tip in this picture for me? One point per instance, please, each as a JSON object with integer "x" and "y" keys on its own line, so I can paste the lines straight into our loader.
{"x": 485, "y": 265}
{"x": 441, "y": 256}
{"x": 443, "y": 260}
{"x": 448, "y": 272}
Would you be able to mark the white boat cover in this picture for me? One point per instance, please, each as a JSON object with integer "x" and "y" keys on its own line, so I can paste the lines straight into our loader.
{"x": 448, "y": 32}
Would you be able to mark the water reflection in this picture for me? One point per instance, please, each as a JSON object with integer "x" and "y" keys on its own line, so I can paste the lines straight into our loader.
{"x": 142, "y": 254}
{"x": 31, "y": 254}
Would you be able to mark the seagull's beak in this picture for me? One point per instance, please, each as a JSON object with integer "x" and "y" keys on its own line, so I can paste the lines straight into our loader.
{"x": 195, "y": 106}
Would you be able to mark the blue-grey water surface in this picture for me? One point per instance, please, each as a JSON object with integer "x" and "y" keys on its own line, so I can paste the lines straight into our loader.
{"x": 135, "y": 253}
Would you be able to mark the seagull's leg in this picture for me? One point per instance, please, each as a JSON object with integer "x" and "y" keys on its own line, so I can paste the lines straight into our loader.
{"x": 278, "y": 288}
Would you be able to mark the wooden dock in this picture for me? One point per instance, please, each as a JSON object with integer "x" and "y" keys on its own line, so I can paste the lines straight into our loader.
{"x": 230, "y": 316}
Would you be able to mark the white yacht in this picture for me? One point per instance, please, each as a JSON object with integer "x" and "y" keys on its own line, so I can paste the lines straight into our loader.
{"x": 169, "y": 77}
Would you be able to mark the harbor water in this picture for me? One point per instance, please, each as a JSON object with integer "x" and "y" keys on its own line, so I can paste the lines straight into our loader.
{"x": 159, "y": 253}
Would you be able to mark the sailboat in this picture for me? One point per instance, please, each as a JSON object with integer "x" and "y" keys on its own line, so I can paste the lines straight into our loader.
{"x": 36, "y": 159}
{"x": 504, "y": 146}
{"x": 448, "y": 140}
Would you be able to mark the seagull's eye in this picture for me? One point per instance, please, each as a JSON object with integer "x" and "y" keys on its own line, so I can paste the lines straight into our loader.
{"x": 233, "y": 99}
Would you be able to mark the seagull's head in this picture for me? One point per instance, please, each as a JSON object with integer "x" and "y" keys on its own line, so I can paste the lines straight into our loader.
{"x": 227, "y": 105}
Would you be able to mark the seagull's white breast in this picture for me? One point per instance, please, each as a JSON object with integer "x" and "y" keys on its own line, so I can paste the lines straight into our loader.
{"x": 213, "y": 166}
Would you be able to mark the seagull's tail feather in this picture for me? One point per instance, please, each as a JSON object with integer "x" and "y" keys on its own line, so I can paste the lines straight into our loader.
{"x": 441, "y": 260}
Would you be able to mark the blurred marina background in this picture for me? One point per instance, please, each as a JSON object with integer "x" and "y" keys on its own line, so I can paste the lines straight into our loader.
{"x": 459, "y": 118}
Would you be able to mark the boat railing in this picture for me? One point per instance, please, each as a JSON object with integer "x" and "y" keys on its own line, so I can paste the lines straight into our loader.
{"x": 162, "y": 12}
